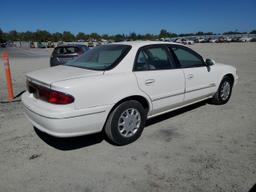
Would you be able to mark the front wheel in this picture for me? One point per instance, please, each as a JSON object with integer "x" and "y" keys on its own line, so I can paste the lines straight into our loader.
{"x": 126, "y": 123}
{"x": 223, "y": 94}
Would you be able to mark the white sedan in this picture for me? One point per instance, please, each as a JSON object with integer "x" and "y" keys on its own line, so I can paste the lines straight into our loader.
{"x": 114, "y": 88}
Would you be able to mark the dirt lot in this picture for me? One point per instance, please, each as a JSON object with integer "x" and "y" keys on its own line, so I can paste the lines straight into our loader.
{"x": 200, "y": 148}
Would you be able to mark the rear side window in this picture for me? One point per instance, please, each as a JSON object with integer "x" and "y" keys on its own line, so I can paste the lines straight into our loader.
{"x": 153, "y": 58}
{"x": 66, "y": 50}
{"x": 187, "y": 58}
{"x": 103, "y": 57}
{"x": 109, "y": 56}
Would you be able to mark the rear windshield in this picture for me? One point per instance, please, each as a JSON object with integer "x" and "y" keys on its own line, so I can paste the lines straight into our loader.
{"x": 66, "y": 50}
{"x": 101, "y": 58}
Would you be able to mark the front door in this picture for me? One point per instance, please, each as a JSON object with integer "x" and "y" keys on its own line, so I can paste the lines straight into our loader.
{"x": 200, "y": 79}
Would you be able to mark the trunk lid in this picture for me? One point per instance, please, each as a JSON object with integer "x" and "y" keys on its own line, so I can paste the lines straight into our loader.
{"x": 60, "y": 73}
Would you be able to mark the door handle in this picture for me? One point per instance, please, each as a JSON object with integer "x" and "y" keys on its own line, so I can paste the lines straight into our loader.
{"x": 149, "y": 81}
{"x": 190, "y": 76}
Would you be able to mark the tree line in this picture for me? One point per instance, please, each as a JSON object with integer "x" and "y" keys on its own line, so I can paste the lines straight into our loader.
{"x": 67, "y": 36}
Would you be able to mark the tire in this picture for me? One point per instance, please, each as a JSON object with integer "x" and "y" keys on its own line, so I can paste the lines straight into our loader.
{"x": 125, "y": 123}
{"x": 221, "y": 97}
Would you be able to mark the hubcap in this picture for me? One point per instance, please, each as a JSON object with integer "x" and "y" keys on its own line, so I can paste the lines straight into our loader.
{"x": 129, "y": 122}
{"x": 225, "y": 90}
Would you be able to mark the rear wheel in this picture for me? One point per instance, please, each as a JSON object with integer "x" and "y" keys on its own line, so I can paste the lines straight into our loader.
{"x": 126, "y": 122}
{"x": 223, "y": 94}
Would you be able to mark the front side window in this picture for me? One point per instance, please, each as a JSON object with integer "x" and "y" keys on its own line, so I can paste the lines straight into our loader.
{"x": 187, "y": 58}
{"x": 153, "y": 58}
{"x": 101, "y": 58}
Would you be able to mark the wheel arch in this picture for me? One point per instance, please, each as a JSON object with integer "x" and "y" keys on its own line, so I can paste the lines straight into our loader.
{"x": 141, "y": 99}
{"x": 231, "y": 76}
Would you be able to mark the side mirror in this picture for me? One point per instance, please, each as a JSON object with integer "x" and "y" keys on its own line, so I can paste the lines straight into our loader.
{"x": 209, "y": 62}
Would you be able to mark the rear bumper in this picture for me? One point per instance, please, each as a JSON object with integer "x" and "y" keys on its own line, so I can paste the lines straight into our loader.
{"x": 68, "y": 126}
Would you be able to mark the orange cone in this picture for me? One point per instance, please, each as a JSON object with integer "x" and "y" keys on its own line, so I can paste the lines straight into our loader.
{"x": 8, "y": 76}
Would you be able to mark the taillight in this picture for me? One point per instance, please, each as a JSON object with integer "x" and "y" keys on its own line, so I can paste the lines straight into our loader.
{"x": 57, "y": 97}
{"x": 49, "y": 95}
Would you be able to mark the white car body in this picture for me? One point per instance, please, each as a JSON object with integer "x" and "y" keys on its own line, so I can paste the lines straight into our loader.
{"x": 201, "y": 40}
{"x": 96, "y": 93}
{"x": 188, "y": 42}
{"x": 213, "y": 40}
{"x": 245, "y": 39}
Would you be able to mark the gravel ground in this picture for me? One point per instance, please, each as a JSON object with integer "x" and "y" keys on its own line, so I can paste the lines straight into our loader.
{"x": 200, "y": 148}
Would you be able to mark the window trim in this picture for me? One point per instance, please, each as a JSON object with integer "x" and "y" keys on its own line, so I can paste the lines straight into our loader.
{"x": 190, "y": 51}
{"x": 165, "y": 47}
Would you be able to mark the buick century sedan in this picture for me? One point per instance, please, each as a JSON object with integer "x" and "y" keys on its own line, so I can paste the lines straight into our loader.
{"x": 115, "y": 88}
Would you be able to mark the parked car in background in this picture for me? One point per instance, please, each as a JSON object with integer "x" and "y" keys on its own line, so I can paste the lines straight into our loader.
{"x": 211, "y": 40}
{"x": 116, "y": 87}
{"x": 90, "y": 44}
{"x": 235, "y": 39}
{"x": 59, "y": 43}
{"x": 220, "y": 40}
{"x": 3, "y": 44}
{"x": 245, "y": 39}
{"x": 228, "y": 39}
{"x": 41, "y": 45}
{"x": 199, "y": 40}
{"x": 186, "y": 42}
{"x": 50, "y": 44}
{"x": 32, "y": 45}
{"x": 63, "y": 53}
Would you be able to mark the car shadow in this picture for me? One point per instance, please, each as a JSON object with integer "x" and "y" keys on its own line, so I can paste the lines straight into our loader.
{"x": 66, "y": 144}
{"x": 174, "y": 113}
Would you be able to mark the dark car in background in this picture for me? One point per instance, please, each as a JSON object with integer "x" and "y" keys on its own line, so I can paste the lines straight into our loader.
{"x": 3, "y": 44}
{"x": 41, "y": 45}
{"x": 64, "y": 53}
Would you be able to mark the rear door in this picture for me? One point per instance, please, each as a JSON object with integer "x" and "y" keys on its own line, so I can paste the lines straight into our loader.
{"x": 159, "y": 77}
{"x": 200, "y": 79}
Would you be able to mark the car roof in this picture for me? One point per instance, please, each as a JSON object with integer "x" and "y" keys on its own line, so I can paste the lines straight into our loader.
{"x": 144, "y": 43}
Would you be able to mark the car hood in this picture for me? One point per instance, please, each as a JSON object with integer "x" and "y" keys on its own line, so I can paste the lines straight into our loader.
{"x": 60, "y": 73}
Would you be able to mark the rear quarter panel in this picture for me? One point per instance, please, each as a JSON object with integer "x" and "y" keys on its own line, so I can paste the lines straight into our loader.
{"x": 107, "y": 89}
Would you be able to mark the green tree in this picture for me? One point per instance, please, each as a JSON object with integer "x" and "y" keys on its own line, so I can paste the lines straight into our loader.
{"x": 105, "y": 36}
{"x": 1, "y": 35}
{"x": 42, "y": 35}
{"x": 165, "y": 34}
{"x": 82, "y": 36}
{"x": 118, "y": 38}
{"x": 199, "y": 33}
{"x": 13, "y": 35}
{"x": 95, "y": 36}
{"x": 28, "y": 36}
{"x": 149, "y": 36}
{"x": 57, "y": 37}
{"x": 133, "y": 36}
{"x": 68, "y": 36}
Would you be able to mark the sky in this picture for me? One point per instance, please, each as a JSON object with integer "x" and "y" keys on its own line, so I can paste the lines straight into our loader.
{"x": 123, "y": 16}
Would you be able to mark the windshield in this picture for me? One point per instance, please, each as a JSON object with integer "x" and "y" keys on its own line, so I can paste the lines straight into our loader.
{"x": 101, "y": 58}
